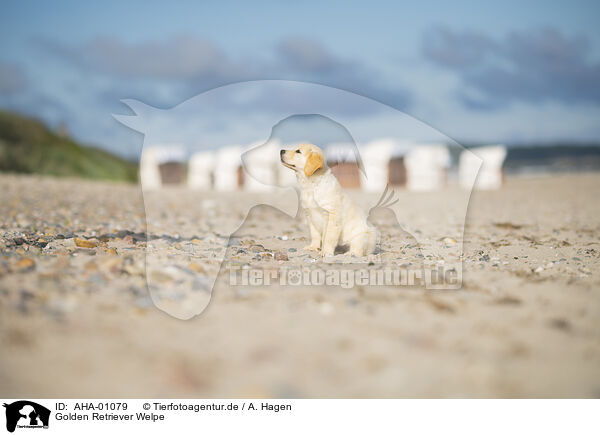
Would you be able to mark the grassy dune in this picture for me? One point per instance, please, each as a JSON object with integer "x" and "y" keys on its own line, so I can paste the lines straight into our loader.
{"x": 28, "y": 146}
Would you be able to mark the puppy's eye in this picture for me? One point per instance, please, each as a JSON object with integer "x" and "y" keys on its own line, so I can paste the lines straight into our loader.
{"x": 298, "y": 151}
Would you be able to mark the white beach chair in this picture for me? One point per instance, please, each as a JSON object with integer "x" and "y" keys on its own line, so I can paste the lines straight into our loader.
{"x": 201, "y": 170}
{"x": 261, "y": 161}
{"x": 377, "y": 157}
{"x": 426, "y": 167}
{"x": 491, "y": 159}
{"x": 228, "y": 169}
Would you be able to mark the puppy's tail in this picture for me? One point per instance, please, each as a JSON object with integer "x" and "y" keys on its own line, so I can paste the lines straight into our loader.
{"x": 387, "y": 199}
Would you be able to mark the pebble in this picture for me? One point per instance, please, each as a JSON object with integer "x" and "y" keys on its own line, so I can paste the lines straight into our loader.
{"x": 326, "y": 308}
{"x": 449, "y": 242}
{"x": 281, "y": 256}
{"x": 62, "y": 306}
{"x": 563, "y": 324}
{"x": 65, "y": 236}
{"x": 24, "y": 264}
{"x": 85, "y": 243}
{"x": 258, "y": 248}
{"x": 41, "y": 243}
{"x": 196, "y": 267}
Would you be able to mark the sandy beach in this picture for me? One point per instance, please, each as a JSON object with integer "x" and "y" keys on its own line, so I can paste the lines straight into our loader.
{"x": 77, "y": 319}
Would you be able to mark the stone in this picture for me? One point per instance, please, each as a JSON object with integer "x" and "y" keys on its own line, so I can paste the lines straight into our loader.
{"x": 281, "y": 256}
{"x": 85, "y": 243}
{"x": 41, "y": 243}
{"x": 257, "y": 248}
{"x": 449, "y": 242}
{"x": 24, "y": 264}
{"x": 139, "y": 237}
{"x": 62, "y": 306}
{"x": 122, "y": 233}
{"x": 196, "y": 267}
{"x": 65, "y": 236}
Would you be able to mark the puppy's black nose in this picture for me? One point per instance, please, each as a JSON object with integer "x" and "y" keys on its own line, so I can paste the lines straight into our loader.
{"x": 281, "y": 152}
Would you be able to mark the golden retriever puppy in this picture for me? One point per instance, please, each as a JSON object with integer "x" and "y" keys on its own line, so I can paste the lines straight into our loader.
{"x": 333, "y": 218}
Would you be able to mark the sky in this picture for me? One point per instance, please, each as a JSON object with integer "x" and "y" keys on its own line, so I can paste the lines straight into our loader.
{"x": 478, "y": 72}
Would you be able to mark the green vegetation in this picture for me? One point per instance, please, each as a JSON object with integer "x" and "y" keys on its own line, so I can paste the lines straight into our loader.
{"x": 28, "y": 146}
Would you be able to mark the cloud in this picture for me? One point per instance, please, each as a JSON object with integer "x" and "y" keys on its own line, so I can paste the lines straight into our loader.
{"x": 307, "y": 60}
{"x": 309, "y": 56}
{"x": 457, "y": 50}
{"x": 530, "y": 66}
{"x": 12, "y": 79}
{"x": 180, "y": 58}
{"x": 193, "y": 65}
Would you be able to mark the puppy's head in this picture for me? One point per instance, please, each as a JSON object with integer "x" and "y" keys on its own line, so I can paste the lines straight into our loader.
{"x": 307, "y": 158}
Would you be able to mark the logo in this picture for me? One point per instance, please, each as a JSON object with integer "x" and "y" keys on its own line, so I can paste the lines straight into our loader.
{"x": 26, "y": 414}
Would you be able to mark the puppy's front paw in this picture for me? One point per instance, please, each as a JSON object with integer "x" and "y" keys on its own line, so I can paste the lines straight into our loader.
{"x": 327, "y": 253}
{"x": 312, "y": 248}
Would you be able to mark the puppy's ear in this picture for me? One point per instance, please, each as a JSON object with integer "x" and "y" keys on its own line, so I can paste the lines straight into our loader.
{"x": 313, "y": 162}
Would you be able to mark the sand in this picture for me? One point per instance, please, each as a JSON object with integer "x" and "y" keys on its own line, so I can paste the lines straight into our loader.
{"x": 79, "y": 321}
